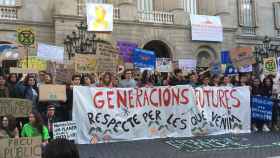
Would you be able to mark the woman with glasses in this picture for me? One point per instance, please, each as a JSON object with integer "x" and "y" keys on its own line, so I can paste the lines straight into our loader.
{"x": 8, "y": 127}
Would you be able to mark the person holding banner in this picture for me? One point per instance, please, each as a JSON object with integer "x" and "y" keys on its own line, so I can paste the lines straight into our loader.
{"x": 8, "y": 127}
{"x": 178, "y": 79}
{"x": 4, "y": 91}
{"x": 146, "y": 79}
{"x": 226, "y": 81}
{"x": 106, "y": 80}
{"x": 35, "y": 128}
{"x": 88, "y": 80}
{"x": 128, "y": 81}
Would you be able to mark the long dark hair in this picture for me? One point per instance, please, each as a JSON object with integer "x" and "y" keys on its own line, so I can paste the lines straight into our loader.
{"x": 11, "y": 125}
{"x": 10, "y": 76}
{"x": 38, "y": 121}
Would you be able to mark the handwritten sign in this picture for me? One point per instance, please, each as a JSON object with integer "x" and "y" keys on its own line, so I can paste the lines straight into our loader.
{"x": 107, "y": 58}
{"x": 64, "y": 72}
{"x": 16, "y": 107}
{"x": 33, "y": 63}
{"x": 52, "y": 92}
{"x": 242, "y": 56}
{"x": 270, "y": 65}
{"x": 66, "y": 130}
{"x": 85, "y": 63}
{"x": 164, "y": 65}
{"x": 20, "y": 148}
{"x": 22, "y": 70}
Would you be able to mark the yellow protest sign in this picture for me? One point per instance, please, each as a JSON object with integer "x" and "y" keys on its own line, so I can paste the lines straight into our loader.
{"x": 85, "y": 63}
{"x": 33, "y": 63}
{"x": 270, "y": 65}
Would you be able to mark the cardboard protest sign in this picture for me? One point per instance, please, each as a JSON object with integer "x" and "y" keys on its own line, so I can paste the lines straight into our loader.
{"x": 33, "y": 63}
{"x": 64, "y": 72}
{"x": 99, "y": 17}
{"x": 22, "y": 70}
{"x": 126, "y": 114}
{"x": 107, "y": 58}
{"x": 144, "y": 58}
{"x": 50, "y": 52}
{"x": 164, "y": 65}
{"x": 85, "y": 63}
{"x": 15, "y": 107}
{"x": 242, "y": 56}
{"x": 52, "y": 92}
{"x": 270, "y": 65}
{"x": 21, "y": 148}
{"x": 66, "y": 130}
{"x": 261, "y": 108}
{"x": 126, "y": 50}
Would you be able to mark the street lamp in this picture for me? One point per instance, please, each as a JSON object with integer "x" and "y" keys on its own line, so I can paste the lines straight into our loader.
{"x": 266, "y": 49}
{"x": 80, "y": 42}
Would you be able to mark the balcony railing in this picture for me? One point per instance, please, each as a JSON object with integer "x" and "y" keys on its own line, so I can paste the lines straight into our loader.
{"x": 250, "y": 31}
{"x": 278, "y": 33}
{"x": 156, "y": 17}
{"x": 8, "y": 12}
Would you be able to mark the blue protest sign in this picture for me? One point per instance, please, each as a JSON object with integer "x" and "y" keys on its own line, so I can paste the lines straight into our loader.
{"x": 144, "y": 58}
{"x": 216, "y": 69}
{"x": 261, "y": 108}
{"x": 225, "y": 57}
{"x": 230, "y": 69}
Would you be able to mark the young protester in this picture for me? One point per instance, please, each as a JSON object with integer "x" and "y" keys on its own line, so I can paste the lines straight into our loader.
{"x": 76, "y": 81}
{"x": 106, "y": 80}
{"x": 205, "y": 81}
{"x": 194, "y": 80}
{"x": 50, "y": 118}
{"x": 88, "y": 80}
{"x": 4, "y": 91}
{"x": 256, "y": 90}
{"x": 29, "y": 90}
{"x": 11, "y": 84}
{"x": 35, "y": 128}
{"x": 8, "y": 127}
{"x": 215, "y": 80}
{"x": 146, "y": 79}
{"x": 128, "y": 81}
{"x": 226, "y": 81}
{"x": 178, "y": 79}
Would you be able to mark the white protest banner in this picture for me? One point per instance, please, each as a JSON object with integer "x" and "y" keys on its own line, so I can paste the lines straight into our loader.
{"x": 164, "y": 65}
{"x": 50, "y": 52}
{"x": 113, "y": 115}
{"x": 21, "y": 148}
{"x": 206, "y": 28}
{"x": 187, "y": 64}
{"x": 66, "y": 130}
{"x": 100, "y": 17}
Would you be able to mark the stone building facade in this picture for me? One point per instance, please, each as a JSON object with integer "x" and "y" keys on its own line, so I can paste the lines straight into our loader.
{"x": 159, "y": 25}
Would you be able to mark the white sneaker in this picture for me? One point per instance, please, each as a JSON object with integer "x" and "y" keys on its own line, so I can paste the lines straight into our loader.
{"x": 265, "y": 128}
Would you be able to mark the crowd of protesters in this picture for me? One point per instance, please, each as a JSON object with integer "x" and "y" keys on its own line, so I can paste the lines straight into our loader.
{"x": 45, "y": 114}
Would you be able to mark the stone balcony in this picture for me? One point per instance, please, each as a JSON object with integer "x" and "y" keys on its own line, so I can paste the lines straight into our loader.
{"x": 156, "y": 17}
{"x": 8, "y": 12}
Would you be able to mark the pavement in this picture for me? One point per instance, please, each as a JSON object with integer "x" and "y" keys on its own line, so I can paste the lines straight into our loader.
{"x": 254, "y": 145}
